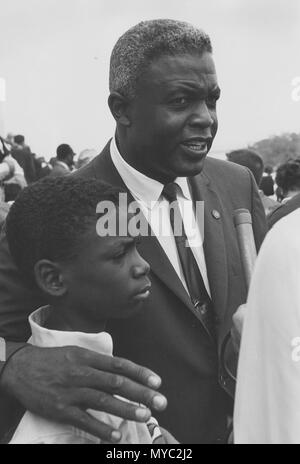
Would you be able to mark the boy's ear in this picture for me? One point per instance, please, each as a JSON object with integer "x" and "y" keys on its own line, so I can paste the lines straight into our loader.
{"x": 119, "y": 107}
{"x": 49, "y": 278}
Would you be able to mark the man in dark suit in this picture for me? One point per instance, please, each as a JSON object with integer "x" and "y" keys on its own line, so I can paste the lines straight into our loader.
{"x": 64, "y": 161}
{"x": 22, "y": 154}
{"x": 163, "y": 93}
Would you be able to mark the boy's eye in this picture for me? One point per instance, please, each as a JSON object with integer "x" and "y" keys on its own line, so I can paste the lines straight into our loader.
{"x": 120, "y": 254}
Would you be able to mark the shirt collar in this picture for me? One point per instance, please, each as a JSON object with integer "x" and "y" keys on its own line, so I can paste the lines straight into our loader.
{"x": 42, "y": 337}
{"x": 142, "y": 187}
{"x": 62, "y": 163}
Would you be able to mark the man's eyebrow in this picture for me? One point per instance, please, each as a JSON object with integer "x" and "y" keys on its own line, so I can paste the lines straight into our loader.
{"x": 192, "y": 87}
{"x": 185, "y": 85}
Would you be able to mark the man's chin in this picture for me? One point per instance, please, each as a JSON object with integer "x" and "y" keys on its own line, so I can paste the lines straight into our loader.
{"x": 190, "y": 169}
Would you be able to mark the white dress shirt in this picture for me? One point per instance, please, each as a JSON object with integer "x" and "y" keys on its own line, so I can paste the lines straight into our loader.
{"x": 267, "y": 404}
{"x": 63, "y": 164}
{"x": 148, "y": 193}
{"x": 34, "y": 429}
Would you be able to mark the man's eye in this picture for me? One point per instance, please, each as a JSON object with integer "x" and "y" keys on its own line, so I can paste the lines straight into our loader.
{"x": 180, "y": 101}
{"x": 212, "y": 101}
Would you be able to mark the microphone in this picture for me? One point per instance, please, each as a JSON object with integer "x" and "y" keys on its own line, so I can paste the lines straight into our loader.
{"x": 243, "y": 224}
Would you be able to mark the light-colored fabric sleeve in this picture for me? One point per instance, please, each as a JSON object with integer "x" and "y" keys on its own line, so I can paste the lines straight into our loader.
{"x": 4, "y": 171}
{"x": 267, "y": 407}
{"x": 33, "y": 429}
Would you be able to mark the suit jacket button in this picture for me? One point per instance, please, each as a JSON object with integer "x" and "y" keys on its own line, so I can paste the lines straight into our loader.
{"x": 216, "y": 214}
{"x": 222, "y": 381}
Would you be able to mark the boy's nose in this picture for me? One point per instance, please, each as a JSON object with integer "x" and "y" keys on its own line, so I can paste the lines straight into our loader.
{"x": 141, "y": 267}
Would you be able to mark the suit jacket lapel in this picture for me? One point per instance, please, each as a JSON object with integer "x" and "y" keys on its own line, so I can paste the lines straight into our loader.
{"x": 214, "y": 242}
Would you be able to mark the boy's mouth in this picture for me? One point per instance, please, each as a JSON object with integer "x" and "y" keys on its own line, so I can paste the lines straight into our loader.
{"x": 144, "y": 293}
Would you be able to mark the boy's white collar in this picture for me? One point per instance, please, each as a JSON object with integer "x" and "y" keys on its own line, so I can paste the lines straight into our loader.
{"x": 42, "y": 337}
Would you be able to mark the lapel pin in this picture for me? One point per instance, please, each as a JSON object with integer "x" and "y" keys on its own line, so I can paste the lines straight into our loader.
{"x": 216, "y": 214}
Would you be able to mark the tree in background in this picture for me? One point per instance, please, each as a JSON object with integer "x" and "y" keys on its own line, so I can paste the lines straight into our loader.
{"x": 278, "y": 149}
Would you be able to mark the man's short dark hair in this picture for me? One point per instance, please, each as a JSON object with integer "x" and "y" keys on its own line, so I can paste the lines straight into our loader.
{"x": 268, "y": 169}
{"x": 250, "y": 159}
{"x": 288, "y": 176}
{"x": 19, "y": 139}
{"x": 63, "y": 151}
{"x": 49, "y": 218}
{"x": 147, "y": 41}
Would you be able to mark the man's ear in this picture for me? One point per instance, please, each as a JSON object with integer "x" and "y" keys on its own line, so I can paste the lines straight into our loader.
{"x": 119, "y": 107}
{"x": 49, "y": 278}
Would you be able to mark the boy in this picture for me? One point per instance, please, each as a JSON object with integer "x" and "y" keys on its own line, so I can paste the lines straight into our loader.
{"x": 85, "y": 279}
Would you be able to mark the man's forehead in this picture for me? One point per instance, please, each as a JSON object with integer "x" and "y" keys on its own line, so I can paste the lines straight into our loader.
{"x": 186, "y": 69}
{"x": 205, "y": 60}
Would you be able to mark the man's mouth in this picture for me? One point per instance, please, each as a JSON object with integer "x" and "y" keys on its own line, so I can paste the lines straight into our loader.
{"x": 198, "y": 146}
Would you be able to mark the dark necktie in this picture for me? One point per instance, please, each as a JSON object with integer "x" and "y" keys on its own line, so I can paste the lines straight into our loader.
{"x": 194, "y": 281}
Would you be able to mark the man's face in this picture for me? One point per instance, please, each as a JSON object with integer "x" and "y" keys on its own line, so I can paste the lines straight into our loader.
{"x": 107, "y": 279}
{"x": 70, "y": 160}
{"x": 173, "y": 117}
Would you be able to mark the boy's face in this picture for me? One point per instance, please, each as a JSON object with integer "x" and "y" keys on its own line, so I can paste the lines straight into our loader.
{"x": 108, "y": 278}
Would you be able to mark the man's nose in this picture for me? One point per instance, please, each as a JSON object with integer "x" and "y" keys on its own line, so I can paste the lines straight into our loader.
{"x": 141, "y": 267}
{"x": 201, "y": 116}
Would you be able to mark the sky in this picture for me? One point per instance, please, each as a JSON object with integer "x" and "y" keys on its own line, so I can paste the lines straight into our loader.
{"x": 54, "y": 57}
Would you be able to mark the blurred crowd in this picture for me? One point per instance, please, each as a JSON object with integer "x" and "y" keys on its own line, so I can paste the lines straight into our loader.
{"x": 20, "y": 167}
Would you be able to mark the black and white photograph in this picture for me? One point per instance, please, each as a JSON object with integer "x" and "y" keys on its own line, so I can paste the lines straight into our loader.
{"x": 149, "y": 224}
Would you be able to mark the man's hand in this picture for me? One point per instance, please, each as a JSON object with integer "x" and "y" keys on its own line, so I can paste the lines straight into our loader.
{"x": 237, "y": 328}
{"x": 62, "y": 383}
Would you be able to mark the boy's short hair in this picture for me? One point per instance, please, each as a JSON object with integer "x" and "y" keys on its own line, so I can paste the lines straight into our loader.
{"x": 49, "y": 218}
{"x": 147, "y": 41}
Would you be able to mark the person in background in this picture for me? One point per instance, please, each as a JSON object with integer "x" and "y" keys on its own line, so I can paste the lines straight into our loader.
{"x": 267, "y": 405}
{"x": 252, "y": 160}
{"x": 7, "y": 168}
{"x": 85, "y": 157}
{"x": 12, "y": 179}
{"x": 10, "y": 139}
{"x": 22, "y": 154}
{"x": 288, "y": 181}
{"x": 42, "y": 168}
{"x": 64, "y": 161}
{"x": 267, "y": 182}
